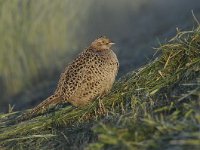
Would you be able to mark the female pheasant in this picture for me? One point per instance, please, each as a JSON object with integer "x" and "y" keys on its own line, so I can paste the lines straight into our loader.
{"x": 90, "y": 75}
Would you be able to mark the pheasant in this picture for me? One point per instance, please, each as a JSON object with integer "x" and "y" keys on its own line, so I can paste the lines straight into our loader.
{"x": 90, "y": 75}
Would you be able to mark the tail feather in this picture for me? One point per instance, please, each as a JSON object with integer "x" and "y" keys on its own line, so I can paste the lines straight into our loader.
{"x": 42, "y": 107}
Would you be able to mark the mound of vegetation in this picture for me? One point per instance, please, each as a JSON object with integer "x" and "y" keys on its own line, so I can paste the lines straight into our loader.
{"x": 157, "y": 106}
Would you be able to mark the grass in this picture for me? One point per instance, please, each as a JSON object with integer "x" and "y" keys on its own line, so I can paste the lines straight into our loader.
{"x": 39, "y": 37}
{"x": 156, "y": 107}
{"x": 34, "y": 34}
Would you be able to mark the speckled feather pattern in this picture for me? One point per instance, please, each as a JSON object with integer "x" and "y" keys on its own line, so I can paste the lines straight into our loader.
{"x": 90, "y": 75}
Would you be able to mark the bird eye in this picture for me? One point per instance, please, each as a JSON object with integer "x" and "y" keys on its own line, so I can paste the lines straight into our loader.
{"x": 99, "y": 43}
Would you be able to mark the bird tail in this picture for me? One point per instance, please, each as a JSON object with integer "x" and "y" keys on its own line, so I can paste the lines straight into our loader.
{"x": 50, "y": 102}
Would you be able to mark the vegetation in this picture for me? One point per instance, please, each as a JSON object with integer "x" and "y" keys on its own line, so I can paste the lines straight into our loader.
{"x": 156, "y": 107}
{"x": 39, "y": 37}
{"x": 34, "y": 34}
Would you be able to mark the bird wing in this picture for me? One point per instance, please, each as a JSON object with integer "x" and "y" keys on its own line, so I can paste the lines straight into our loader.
{"x": 73, "y": 76}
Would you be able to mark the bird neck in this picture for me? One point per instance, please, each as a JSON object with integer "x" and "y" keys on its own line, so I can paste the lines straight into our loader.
{"x": 97, "y": 49}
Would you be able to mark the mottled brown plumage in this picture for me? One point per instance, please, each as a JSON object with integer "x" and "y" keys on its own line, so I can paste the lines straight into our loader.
{"x": 90, "y": 75}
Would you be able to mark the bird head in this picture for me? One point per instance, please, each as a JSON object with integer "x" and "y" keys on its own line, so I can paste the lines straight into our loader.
{"x": 102, "y": 44}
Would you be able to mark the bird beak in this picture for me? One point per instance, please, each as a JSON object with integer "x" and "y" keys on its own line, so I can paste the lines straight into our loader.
{"x": 111, "y": 43}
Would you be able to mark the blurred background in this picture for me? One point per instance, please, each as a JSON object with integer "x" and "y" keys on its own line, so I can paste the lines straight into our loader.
{"x": 38, "y": 38}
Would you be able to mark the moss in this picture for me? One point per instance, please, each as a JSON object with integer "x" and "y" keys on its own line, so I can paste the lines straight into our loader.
{"x": 153, "y": 107}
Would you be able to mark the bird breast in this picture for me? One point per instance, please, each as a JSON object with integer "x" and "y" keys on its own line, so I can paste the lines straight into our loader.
{"x": 96, "y": 77}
